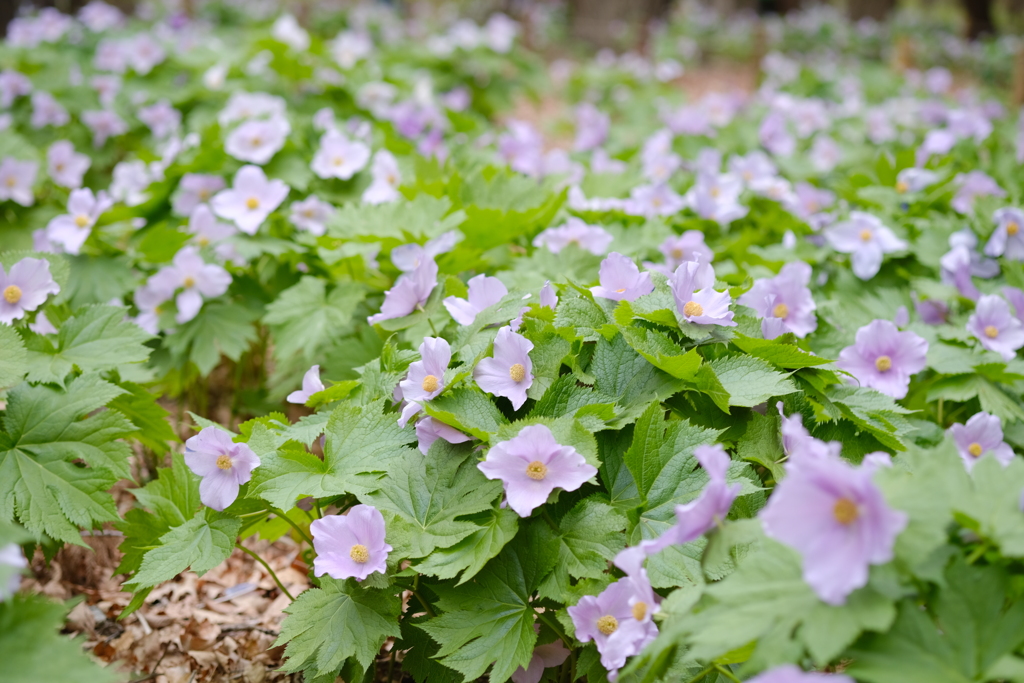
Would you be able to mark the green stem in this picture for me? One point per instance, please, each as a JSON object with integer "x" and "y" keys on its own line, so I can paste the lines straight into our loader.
{"x": 293, "y": 524}
{"x": 415, "y": 591}
{"x": 556, "y": 627}
{"x": 725, "y": 672}
{"x": 267, "y": 567}
{"x": 939, "y": 412}
{"x": 391, "y": 664}
{"x": 978, "y": 552}
{"x": 703, "y": 674}
{"x": 319, "y": 512}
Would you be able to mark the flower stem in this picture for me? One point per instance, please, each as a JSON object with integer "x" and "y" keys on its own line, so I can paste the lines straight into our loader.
{"x": 978, "y": 552}
{"x": 293, "y": 524}
{"x": 725, "y": 672}
{"x": 703, "y": 674}
{"x": 556, "y": 627}
{"x": 415, "y": 591}
{"x": 267, "y": 567}
{"x": 319, "y": 512}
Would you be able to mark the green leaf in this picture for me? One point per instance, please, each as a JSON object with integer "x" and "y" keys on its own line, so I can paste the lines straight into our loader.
{"x": 622, "y": 372}
{"x": 33, "y": 649}
{"x": 587, "y": 539}
{"x": 874, "y": 412}
{"x": 153, "y": 428}
{"x": 489, "y": 621}
{"x": 469, "y": 411}
{"x": 97, "y": 339}
{"x": 419, "y": 219}
{"x": 428, "y": 494}
{"x": 362, "y": 444}
{"x": 306, "y": 318}
{"x": 762, "y": 443}
{"x": 471, "y": 553}
{"x": 657, "y": 442}
{"x": 40, "y": 484}
{"x": 201, "y": 544}
{"x": 778, "y": 352}
{"x": 750, "y": 381}
{"x": 221, "y": 328}
{"x": 14, "y": 359}
{"x": 327, "y": 625}
{"x": 994, "y": 503}
{"x": 663, "y": 353}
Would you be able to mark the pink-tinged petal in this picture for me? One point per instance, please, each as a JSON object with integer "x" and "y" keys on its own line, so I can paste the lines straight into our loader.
{"x": 189, "y": 303}
{"x": 219, "y": 489}
{"x": 463, "y": 312}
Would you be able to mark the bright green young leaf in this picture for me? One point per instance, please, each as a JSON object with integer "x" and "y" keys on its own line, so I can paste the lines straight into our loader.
{"x": 306, "y": 318}
{"x": 14, "y": 359}
{"x": 200, "y": 544}
{"x": 469, "y": 555}
{"x": 750, "y": 381}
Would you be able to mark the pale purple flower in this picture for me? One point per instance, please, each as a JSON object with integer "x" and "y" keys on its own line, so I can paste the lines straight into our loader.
{"x": 408, "y": 257}
{"x": 775, "y": 136}
{"x": 70, "y": 230}
{"x": 107, "y": 87}
{"x": 42, "y": 325}
{"x": 339, "y": 157}
{"x": 148, "y": 301}
{"x": 457, "y": 99}
{"x": 962, "y": 262}
{"x": 548, "y": 297}
{"x": 131, "y": 179}
{"x": 193, "y": 190}
{"x": 98, "y": 16}
{"x": 161, "y": 118}
{"x": 715, "y": 196}
{"x": 522, "y": 147}
{"x": 311, "y": 384}
{"x": 790, "y": 673}
{"x": 544, "y": 657}
{"x": 591, "y": 127}
{"x": 653, "y": 200}
{"x": 484, "y": 291}
{"x": 610, "y": 621}
{"x": 797, "y": 442}
{"x": 429, "y": 430}
{"x": 11, "y": 556}
{"x": 983, "y": 434}
{"x": 250, "y": 200}
{"x": 932, "y": 311}
{"x": 16, "y": 181}
{"x": 659, "y": 168}
{"x": 531, "y": 465}
{"x": 257, "y": 141}
{"x": 689, "y": 246}
{"x": 995, "y": 327}
{"x": 499, "y": 33}
{"x": 937, "y": 141}
{"x": 104, "y": 124}
{"x": 1008, "y": 238}
{"x": 223, "y": 464}
{"x": 883, "y": 358}
{"x": 411, "y": 290}
{"x": 25, "y": 288}
{"x": 386, "y": 179}
{"x": 756, "y": 166}
{"x": 969, "y": 123}
{"x": 311, "y": 215}
{"x": 287, "y": 30}
{"x": 47, "y": 111}
{"x": 688, "y": 120}
{"x": 785, "y": 297}
{"x": 836, "y": 518}
{"x": 601, "y": 162}
{"x": 244, "y": 105}
{"x": 594, "y": 239}
{"x": 65, "y": 166}
{"x": 426, "y": 377}
{"x": 974, "y": 184}
{"x": 509, "y": 372}
{"x": 621, "y": 279}
{"x": 825, "y": 154}
{"x": 1016, "y": 299}
{"x": 143, "y": 52}
{"x": 196, "y": 278}
{"x": 695, "y": 299}
{"x": 350, "y": 546}
{"x": 13, "y": 84}
{"x": 349, "y": 47}
{"x": 915, "y": 179}
{"x": 866, "y": 239}
{"x": 808, "y": 202}
{"x": 207, "y": 229}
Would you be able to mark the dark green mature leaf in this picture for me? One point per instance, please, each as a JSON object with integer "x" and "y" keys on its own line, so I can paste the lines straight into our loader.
{"x": 622, "y": 372}
{"x": 306, "y": 318}
{"x": 469, "y": 411}
{"x": 762, "y": 443}
{"x": 430, "y": 493}
{"x": 221, "y": 328}
{"x": 14, "y": 359}
{"x": 663, "y": 353}
{"x": 993, "y": 503}
{"x": 362, "y": 444}
{"x": 97, "y": 339}
{"x": 327, "y": 625}
{"x": 33, "y": 649}
{"x": 750, "y": 380}
{"x": 420, "y": 660}
{"x": 201, "y": 544}
{"x": 138, "y": 405}
{"x": 587, "y": 539}
{"x": 471, "y": 553}
{"x": 778, "y": 352}
{"x": 39, "y": 483}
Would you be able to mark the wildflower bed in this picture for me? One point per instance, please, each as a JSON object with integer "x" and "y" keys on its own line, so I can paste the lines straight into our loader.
{"x": 724, "y": 389}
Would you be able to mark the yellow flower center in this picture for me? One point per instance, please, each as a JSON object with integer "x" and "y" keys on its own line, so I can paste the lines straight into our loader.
{"x": 883, "y": 363}
{"x": 12, "y": 294}
{"x": 203, "y": 241}
{"x": 677, "y": 254}
{"x": 81, "y": 220}
{"x": 536, "y": 470}
{"x": 58, "y": 167}
{"x": 845, "y": 511}
{"x": 780, "y": 310}
{"x": 991, "y": 331}
{"x": 338, "y": 161}
{"x": 975, "y": 449}
{"x": 607, "y": 624}
{"x": 252, "y": 203}
{"x": 391, "y": 179}
{"x": 640, "y": 611}
{"x": 865, "y": 235}
{"x": 715, "y": 191}
{"x": 224, "y": 462}
{"x": 430, "y": 383}
{"x": 692, "y": 308}
{"x": 189, "y": 282}
{"x": 359, "y": 553}
{"x": 620, "y": 291}
{"x": 1012, "y": 228}
{"x": 902, "y": 186}
{"x": 257, "y": 141}
{"x": 517, "y": 372}
{"x": 11, "y": 181}
{"x": 204, "y": 195}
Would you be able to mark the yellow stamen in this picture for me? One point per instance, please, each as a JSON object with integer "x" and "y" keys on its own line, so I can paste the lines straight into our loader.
{"x": 58, "y": 167}
{"x": 359, "y": 553}
{"x": 81, "y": 220}
{"x": 975, "y": 449}
{"x": 203, "y": 241}
{"x": 780, "y": 310}
{"x": 204, "y": 195}
{"x": 640, "y": 611}
{"x": 677, "y": 254}
{"x": 189, "y": 282}
{"x": 536, "y": 470}
{"x": 257, "y": 141}
{"x": 883, "y": 363}
{"x": 224, "y": 462}
{"x": 338, "y": 161}
{"x": 715, "y": 191}
{"x": 845, "y": 511}
{"x": 12, "y": 294}
{"x": 902, "y": 186}
{"x": 517, "y": 372}
{"x": 1012, "y": 228}
{"x": 865, "y": 235}
{"x": 991, "y": 331}
{"x": 620, "y": 291}
{"x": 692, "y": 308}
{"x": 11, "y": 181}
{"x": 430, "y": 383}
{"x": 252, "y": 203}
{"x": 607, "y": 624}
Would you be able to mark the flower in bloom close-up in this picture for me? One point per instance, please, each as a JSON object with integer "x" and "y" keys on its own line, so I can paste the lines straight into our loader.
{"x": 484, "y": 291}
{"x": 409, "y": 292}
{"x": 24, "y": 288}
{"x": 867, "y": 241}
{"x": 70, "y": 230}
{"x": 593, "y": 238}
{"x": 789, "y": 673}
{"x": 621, "y": 280}
{"x": 250, "y": 200}
{"x": 509, "y": 372}
{"x": 531, "y": 465}
{"x": 196, "y": 279}
{"x": 884, "y": 358}
{"x": 982, "y": 435}
{"x": 995, "y": 326}
{"x": 223, "y": 465}
{"x": 785, "y": 298}
{"x": 426, "y": 376}
{"x": 695, "y": 299}
{"x": 617, "y": 627}
{"x": 350, "y": 546}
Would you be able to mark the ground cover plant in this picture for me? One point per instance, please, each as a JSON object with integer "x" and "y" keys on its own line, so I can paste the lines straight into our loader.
{"x": 664, "y": 386}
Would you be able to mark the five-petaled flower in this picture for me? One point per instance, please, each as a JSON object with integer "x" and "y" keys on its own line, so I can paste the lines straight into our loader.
{"x": 24, "y": 288}
{"x": 350, "y": 546}
{"x": 223, "y": 464}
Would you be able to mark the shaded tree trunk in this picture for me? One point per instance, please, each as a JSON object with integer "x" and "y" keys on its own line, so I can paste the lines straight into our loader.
{"x": 979, "y": 18}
